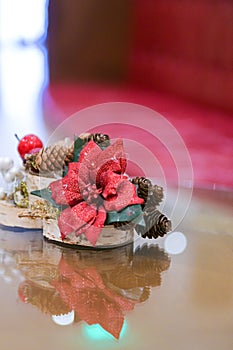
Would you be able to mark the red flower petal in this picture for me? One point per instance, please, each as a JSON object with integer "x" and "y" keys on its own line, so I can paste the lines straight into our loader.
{"x": 126, "y": 195}
{"x": 96, "y": 171}
{"x": 88, "y": 161}
{"x": 66, "y": 191}
{"x": 111, "y": 165}
{"x": 58, "y": 193}
{"x": 94, "y": 161}
{"x": 115, "y": 151}
{"x": 75, "y": 218}
{"x": 67, "y": 222}
{"x": 90, "y": 148}
{"x": 82, "y": 218}
{"x": 93, "y": 231}
{"x": 109, "y": 182}
{"x": 71, "y": 185}
{"x": 112, "y": 158}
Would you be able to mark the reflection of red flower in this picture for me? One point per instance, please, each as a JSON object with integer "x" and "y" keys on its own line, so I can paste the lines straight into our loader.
{"x": 93, "y": 186}
{"x": 83, "y": 291}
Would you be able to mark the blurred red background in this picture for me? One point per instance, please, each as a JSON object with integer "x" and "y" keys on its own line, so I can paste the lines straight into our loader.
{"x": 174, "y": 56}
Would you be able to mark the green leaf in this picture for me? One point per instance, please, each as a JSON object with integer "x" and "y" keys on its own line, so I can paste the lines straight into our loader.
{"x": 46, "y": 194}
{"x": 127, "y": 214}
{"x": 78, "y": 146}
{"x": 65, "y": 171}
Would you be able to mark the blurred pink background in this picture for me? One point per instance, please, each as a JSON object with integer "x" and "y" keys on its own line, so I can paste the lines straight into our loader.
{"x": 173, "y": 56}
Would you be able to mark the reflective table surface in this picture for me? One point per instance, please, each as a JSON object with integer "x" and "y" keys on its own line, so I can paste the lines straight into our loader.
{"x": 175, "y": 292}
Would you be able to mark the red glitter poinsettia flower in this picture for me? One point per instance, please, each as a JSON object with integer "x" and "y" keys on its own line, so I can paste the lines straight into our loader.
{"x": 93, "y": 186}
{"x": 83, "y": 290}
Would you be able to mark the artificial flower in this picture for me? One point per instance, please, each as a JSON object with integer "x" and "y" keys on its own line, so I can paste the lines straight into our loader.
{"x": 93, "y": 186}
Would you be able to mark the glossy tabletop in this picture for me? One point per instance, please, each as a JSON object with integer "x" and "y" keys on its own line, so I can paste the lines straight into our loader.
{"x": 176, "y": 292}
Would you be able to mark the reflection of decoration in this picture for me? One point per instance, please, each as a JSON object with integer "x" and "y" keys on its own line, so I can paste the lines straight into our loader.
{"x": 84, "y": 291}
{"x": 8, "y": 268}
{"x": 100, "y": 287}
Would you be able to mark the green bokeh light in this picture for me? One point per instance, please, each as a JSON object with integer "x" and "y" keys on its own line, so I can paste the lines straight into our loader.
{"x": 97, "y": 333}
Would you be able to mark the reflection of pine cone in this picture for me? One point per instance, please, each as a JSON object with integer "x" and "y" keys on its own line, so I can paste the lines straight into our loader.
{"x": 152, "y": 194}
{"x": 143, "y": 273}
{"x": 150, "y": 258}
{"x": 145, "y": 294}
{"x": 125, "y": 278}
{"x": 126, "y": 283}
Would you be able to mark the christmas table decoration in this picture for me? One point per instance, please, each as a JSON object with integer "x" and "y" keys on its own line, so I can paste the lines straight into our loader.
{"x": 78, "y": 192}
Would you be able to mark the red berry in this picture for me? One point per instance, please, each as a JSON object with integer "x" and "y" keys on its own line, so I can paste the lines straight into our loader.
{"x": 28, "y": 143}
{"x": 34, "y": 150}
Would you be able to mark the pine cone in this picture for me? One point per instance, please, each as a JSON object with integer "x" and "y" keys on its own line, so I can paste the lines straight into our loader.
{"x": 102, "y": 140}
{"x": 143, "y": 186}
{"x": 69, "y": 157}
{"x": 52, "y": 160}
{"x": 152, "y": 194}
{"x": 157, "y": 224}
{"x": 149, "y": 259}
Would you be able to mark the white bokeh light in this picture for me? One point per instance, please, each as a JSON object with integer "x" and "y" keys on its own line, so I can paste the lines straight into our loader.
{"x": 22, "y": 20}
{"x": 175, "y": 243}
{"x": 64, "y": 320}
